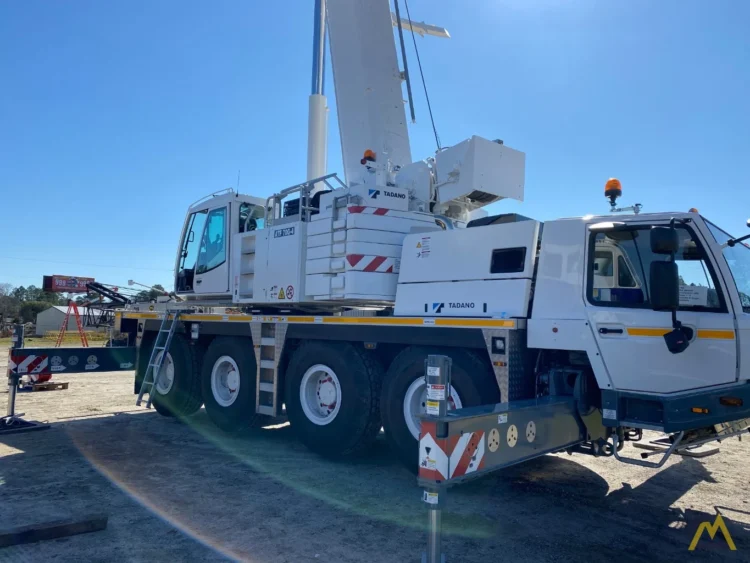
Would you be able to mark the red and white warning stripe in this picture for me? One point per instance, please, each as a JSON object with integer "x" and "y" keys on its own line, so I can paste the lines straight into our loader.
{"x": 467, "y": 455}
{"x": 367, "y": 210}
{"x": 28, "y": 364}
{"x": 433, "y": 461}
{"x": 445, "y": 459}
{"x": 366, "y": 263}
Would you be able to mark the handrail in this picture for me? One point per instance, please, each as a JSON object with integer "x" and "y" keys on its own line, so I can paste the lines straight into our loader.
{"x": 304, "y": 188}
{"x": 209, "y": 196}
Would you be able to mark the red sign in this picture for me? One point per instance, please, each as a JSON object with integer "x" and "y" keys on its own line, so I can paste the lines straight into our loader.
{"x": 65, "y": 284}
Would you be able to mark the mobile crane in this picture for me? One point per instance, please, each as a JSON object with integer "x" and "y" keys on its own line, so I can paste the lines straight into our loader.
{"x": 603, "y": 325}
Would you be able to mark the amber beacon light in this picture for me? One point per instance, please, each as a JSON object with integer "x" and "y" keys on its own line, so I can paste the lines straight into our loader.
{"x": 612, "y": 190}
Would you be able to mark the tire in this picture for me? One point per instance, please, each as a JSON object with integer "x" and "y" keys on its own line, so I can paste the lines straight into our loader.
{"x": 346, "y": 375}
{"x": 230, "y": 364}
{"x": 181, "y": 396}
{"x": 472, "y": 381}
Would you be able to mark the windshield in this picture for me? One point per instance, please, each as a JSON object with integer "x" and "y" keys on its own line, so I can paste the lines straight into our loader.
{"x": 738, "y": 259}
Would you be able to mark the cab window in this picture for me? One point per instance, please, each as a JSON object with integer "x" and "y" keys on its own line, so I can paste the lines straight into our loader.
{"x": 251, "y": 217}
{"x": 620, "y": 261}
{"x": 213, "y": 252}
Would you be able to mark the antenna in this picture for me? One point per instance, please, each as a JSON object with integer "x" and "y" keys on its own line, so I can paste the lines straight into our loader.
{"x": 238, "y": 181}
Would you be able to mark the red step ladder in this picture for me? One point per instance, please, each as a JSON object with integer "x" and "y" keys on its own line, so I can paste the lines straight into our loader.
{"x": 72, "y": 307}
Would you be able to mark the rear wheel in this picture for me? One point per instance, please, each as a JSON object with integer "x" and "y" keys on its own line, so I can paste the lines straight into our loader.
{"x": 332, "y": 397}
{"x": 177, "y": 391}
{"x": 228, "y": 382}
{"x": 404, "y": 394}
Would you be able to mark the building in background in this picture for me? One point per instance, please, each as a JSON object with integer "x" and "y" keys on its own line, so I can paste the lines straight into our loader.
{"x": 50, "y": 320}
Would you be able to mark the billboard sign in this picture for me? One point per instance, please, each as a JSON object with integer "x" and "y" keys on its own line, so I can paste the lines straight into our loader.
{"x": 65, "y": 284}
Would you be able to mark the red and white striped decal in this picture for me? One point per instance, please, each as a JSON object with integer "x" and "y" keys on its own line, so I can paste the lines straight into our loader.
{"x": 365, "y": 263}
{"x": 444, "y": 459}
{"x": 433, "y": 461}
{"x": 28, "y": 364}
{"x": 467, "y": 454}
{"x": 367, "y": 210}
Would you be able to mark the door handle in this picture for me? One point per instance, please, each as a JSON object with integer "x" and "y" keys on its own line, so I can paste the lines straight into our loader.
{"x": 605, "y": 330}
{"x": 201, "y": 281}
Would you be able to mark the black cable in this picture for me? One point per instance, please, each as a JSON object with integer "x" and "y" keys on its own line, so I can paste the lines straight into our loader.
{"x": 421, "y": 73}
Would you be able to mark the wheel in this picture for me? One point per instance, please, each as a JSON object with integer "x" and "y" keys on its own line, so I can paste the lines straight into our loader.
{"x": 177, "y": 391}
{"x": 228, "y": 383}
{"x": 404, "y": 394}
{"x": 332, "y": 397}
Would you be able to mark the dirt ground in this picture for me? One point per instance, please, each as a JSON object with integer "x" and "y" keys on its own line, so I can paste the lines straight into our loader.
{"x": 185, "y": 492}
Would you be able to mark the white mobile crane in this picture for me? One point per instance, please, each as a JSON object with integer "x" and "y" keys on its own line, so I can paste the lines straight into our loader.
{"x": 605, "y": 326}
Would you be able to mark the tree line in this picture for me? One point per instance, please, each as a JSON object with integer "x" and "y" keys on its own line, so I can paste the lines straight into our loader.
{"x": 23, "y": 304}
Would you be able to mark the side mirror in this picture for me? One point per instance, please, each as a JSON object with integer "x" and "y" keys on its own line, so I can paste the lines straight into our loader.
{"x": 664, "y": 283}
{"x": 664, "y": 240}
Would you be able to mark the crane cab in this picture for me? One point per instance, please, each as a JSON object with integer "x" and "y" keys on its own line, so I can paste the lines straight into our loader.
{"x": 202, "y": 266}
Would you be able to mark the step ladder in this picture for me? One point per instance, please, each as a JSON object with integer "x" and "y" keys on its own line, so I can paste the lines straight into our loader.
{"x": 156, "y": 360}
{"x": 268, "y": 343}
{"x": 61, "y": 335}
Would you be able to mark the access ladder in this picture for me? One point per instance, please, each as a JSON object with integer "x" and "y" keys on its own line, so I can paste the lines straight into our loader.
{"x": 156, "y": 360}
{"x": 268, "y": 343}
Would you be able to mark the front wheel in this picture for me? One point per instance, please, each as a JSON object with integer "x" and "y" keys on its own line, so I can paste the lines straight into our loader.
{"x": 177, "y": 391}
{"x": 332, "y": 397}
{"x": 404, "y": 394}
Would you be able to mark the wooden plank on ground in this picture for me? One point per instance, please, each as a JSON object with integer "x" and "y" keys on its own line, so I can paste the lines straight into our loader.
{"x": 52, "y": 530}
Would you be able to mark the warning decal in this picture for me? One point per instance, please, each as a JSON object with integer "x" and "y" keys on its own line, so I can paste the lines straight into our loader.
{"x": 432, "y": 407}
{"x": 423, "y": 248}
{"x": 281, "y": 294}
{"x": 289, "y": 292}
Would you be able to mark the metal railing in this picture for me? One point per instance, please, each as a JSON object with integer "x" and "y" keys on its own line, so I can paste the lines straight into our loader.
{"x": 273, "y": 203}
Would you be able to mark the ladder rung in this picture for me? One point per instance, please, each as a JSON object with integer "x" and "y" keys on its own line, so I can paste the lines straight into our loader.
{"x": 159, "y": 347}
{"x": 268, "y": 364}
{"x": 267, "y": 341}
{"x": 265, "y": 409}
{"x": 266, "y": 386}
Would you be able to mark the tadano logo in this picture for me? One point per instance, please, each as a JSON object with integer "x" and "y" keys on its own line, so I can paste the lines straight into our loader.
{"x": 438, "y": 307}
{"x": 374, "y": 194}
{"x": 712, "y": 529}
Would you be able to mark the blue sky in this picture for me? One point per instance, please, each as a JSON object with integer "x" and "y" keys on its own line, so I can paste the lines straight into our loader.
{"x": 115, "y": 116}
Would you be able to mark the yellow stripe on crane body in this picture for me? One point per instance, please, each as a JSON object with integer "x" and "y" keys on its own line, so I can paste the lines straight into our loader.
{"x": 710, "y": 334}
{"x": 305, "y": 319}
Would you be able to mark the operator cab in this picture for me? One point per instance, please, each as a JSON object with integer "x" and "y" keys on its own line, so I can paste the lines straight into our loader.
{"x": 202, "y": 265}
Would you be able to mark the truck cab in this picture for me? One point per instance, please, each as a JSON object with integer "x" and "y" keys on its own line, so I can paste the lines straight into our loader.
{"x": 596, "y": 292}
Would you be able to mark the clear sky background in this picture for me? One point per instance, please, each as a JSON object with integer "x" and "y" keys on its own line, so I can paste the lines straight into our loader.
{"x": 115, "y": 116}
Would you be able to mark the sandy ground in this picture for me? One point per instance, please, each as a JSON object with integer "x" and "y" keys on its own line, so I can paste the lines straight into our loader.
{"x": 185, "y": 492}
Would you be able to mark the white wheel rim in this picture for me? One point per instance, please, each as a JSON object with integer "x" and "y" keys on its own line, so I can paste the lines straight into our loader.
{"x": 166, "y": 374}
{"x": 225, "y": 381}
{"x": 320, "y": 395}
{"x": 414, "y": 404}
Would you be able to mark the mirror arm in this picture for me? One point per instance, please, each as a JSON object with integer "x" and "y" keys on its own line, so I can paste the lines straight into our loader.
{"x": 731, "y": 242}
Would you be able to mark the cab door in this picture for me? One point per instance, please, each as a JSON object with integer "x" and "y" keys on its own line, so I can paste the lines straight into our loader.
{"x": 212, "y": 266}
{"x": 630, "y": 334}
